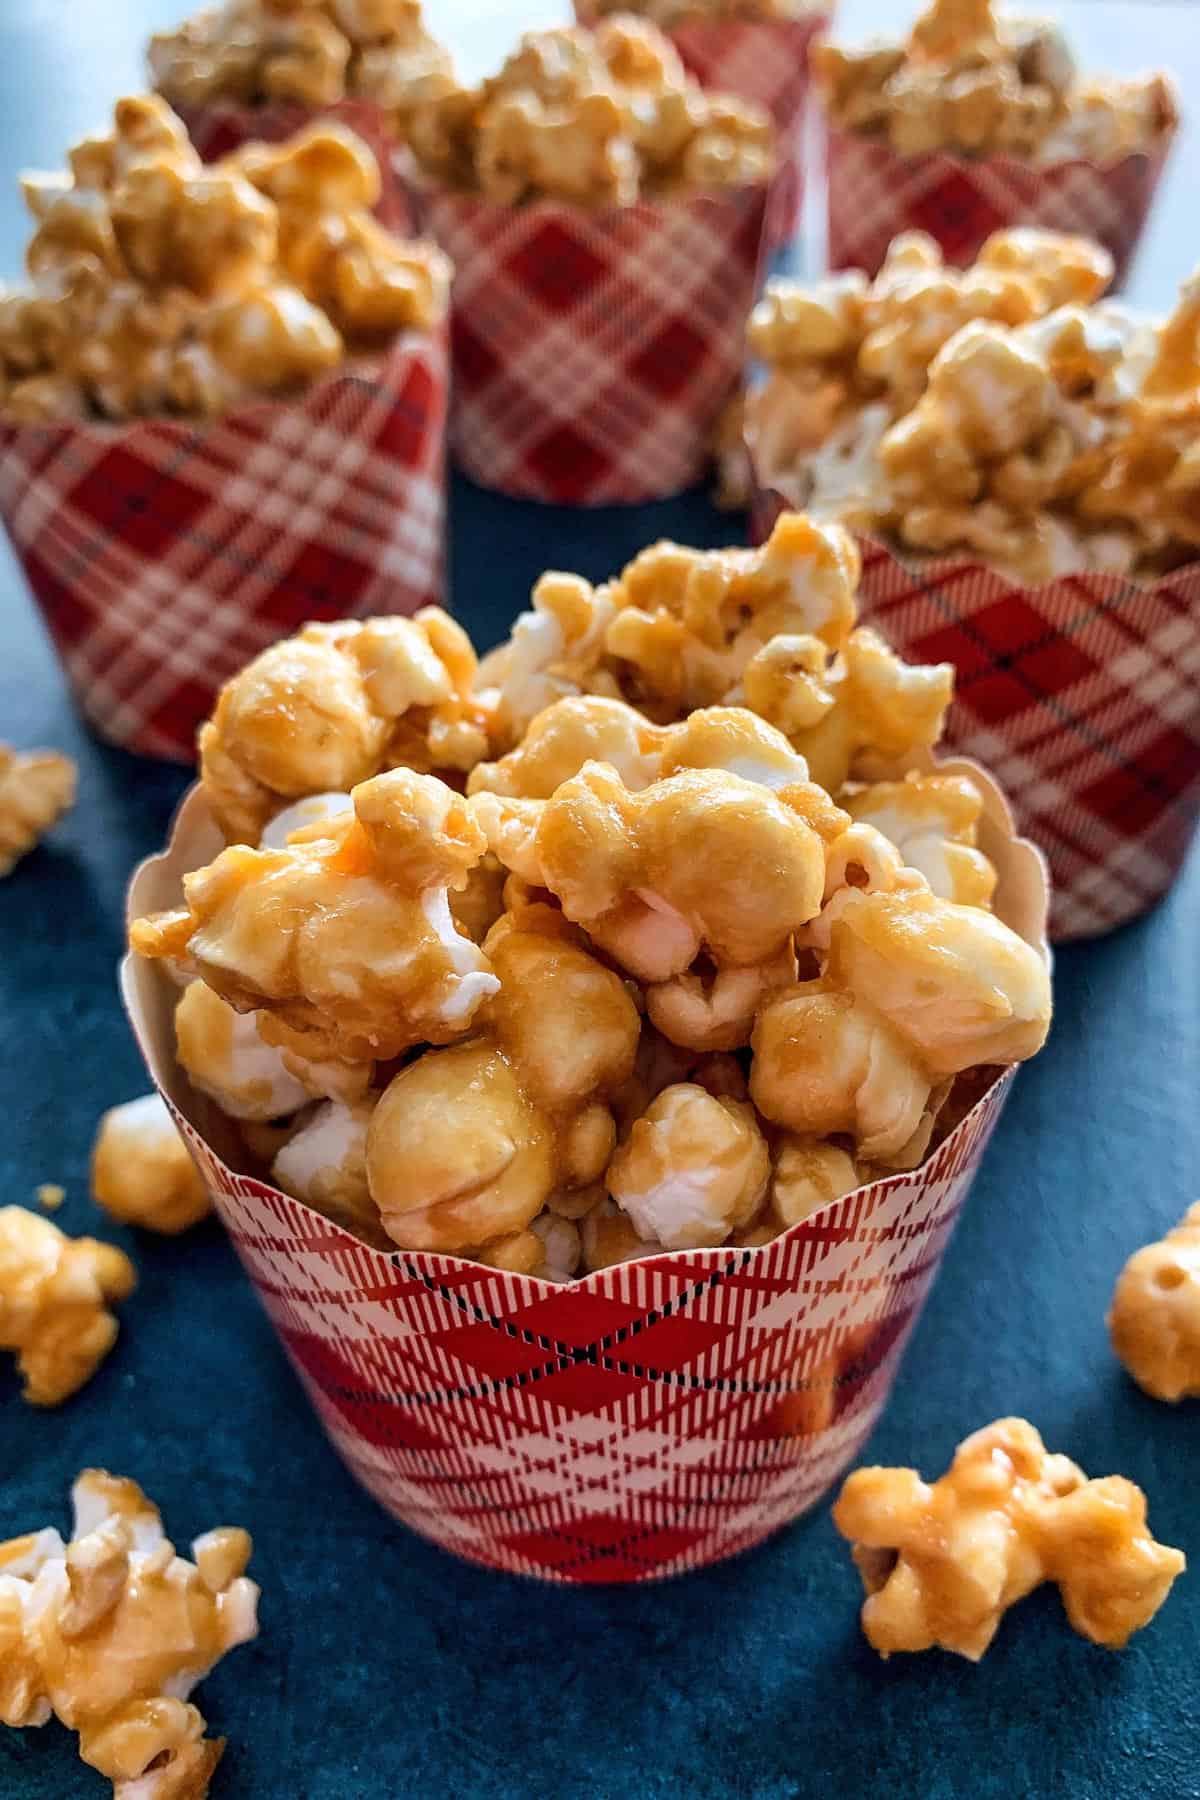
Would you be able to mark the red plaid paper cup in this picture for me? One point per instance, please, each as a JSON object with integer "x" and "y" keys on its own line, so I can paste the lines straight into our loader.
{"x": 763, "y": 60}
{"x": 594, "y": 351}
{"x": 875, "y": 193}
{"x": 1082, "y": 695}
{"x": 646, "y": 1420}
{"x": 165, "y": 553}
{"x": 225, "y": 125}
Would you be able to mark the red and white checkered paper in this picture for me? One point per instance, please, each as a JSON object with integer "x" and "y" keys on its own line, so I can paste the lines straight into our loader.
{"x": 648, "y": 1419}
{"x": 764, "y": 60}
{"x": 225, "y": 125}
{"x": 594, "y": 351}
{"x": 1082, "y": 696}
{"x": 165, "y": 553}
{"x": 875, "y": 193}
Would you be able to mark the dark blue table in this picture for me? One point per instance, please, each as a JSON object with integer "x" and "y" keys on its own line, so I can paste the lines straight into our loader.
{"x": 387, "y": 1670}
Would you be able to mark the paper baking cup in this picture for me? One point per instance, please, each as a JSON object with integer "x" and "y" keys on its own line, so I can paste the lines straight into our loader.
{"x": 594, "y": 351}
{"x": 763, "y": 60}
{"x": 225, "y": 125}
{"x": 875, "y": 193}
{"x": 1082, "y": 695}
{"x": 646, "y": 1420}
{"x": 165, "y": 553}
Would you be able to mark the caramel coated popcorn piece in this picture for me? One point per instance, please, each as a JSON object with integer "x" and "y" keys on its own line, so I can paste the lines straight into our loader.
{"x": 866, "y": 704}
{"x": 111, "y": 1631}
{"x": 343, "y": 942}
{"x": 913, "y": 989}
{"x": 468, "y": 1145}
{"x": 595, "y": 119}
{"x": 933, "y": 821}
{"x": 693, "y": 1169}
{"x": 943, "y": 1562}
{"x": 325, "y": 1164}
{"x": 36, "y": 788}
{"x": 806, "y": 1174}
{"x": 608, "y": 1236}
{"x": 702, "y": 859}
{"x": 55, "y": 1296}
{"x": 225, "y": 1056}
{"x": 335, "y": 705}
{"x": 1154, "y": 1321}
{"x": 142, "y": 1172}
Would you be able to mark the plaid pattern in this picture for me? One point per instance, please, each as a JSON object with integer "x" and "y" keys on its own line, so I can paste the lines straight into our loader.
{"x": 1082, "y": 697}
{"x": 874, "y": 194}
{"x": 164, "y": 553}
{"x": 764, "y": 60}
{"x": 225, "y": 125}
{"x": 650, "y": 1419}
{"x": 593, "y": 351}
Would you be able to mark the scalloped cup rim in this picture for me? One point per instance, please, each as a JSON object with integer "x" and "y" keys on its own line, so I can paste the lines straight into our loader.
{"x": 146, "y": 991}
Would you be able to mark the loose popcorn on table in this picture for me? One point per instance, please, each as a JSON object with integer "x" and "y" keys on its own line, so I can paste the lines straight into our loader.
{"x": 159, "y": 285}
{"x": 597, "y": 119}
{"x": 942, "y": 1562}
{"x": 36, "y": 788}
{"x": 315, "y": 52}
{"x": 142, "y": 1172}
{"x": 698, "y": 952}
{"x": 1004, "y": 412}
{"x": 1154, "y": 1321}
{"x": 975, "y": 82}
{"x": 56, "y": 1294}
{"x": 111, "y": 1631}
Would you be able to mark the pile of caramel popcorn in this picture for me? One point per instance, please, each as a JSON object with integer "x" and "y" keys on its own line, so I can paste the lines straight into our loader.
{"x": 36, "y": 788}
{"x": 974, "y": 83}
{"x": 595, "y": 118}
{"x": 943, "y": 1562}
{"x": 695, "y": 952}
{"x": 110, "y": 1632}
{"x": 158, "y": 285}
{"x": 312, "y": 52}
{"x": 996, "y": 411}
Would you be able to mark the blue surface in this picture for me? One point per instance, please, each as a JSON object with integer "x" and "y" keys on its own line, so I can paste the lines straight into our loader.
{"x": 385, "y": 1669}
